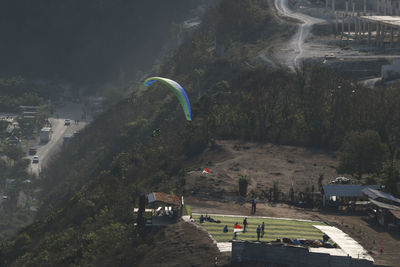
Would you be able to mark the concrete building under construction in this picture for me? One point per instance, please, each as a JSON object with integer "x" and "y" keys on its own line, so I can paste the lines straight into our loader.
{"x": 376, "y": 22}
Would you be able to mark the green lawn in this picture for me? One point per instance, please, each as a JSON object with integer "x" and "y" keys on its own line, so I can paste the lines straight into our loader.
{"x": 274, "y": 228}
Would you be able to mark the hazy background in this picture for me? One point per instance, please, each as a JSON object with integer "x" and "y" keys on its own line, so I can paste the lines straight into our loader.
{"x": 91, "y": 41}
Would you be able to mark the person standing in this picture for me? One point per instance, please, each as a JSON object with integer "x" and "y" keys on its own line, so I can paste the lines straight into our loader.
{"x": 236, "y": 229}
{"x": 258, "y": 232}
{"x": 244, "y": 224}
{"x": 262, "y": 229}
{"x": 253, "y": 206}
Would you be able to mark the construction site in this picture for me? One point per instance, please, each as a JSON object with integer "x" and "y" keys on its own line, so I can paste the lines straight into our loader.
{"x": 359, "y": 38}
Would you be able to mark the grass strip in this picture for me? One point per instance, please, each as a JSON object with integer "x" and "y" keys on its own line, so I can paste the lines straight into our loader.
{"x": 275, "y": 228}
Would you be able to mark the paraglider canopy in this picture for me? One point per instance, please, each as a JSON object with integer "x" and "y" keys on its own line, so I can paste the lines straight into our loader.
{"x": 178, "y": 91}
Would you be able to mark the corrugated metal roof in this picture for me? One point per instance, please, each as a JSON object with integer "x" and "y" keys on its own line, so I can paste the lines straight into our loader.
{"x": 163, "y": 197}
{"x": 346, "y": 190}
{"x": 384, "y": 205}
{"x": 374, "y": 194}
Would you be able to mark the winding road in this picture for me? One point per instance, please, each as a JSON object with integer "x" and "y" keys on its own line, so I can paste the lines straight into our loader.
{"x": 297, "y": 42}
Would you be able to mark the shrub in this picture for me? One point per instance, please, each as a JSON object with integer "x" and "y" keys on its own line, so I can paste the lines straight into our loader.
{"x": 243, "y": 183}
{"x": 291, "y": 195}
{"x": 186, "y": 210}
{"x": 275, "y": 190}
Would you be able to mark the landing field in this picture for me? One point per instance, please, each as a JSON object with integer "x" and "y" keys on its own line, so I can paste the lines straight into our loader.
{"x": 274, "y": 228}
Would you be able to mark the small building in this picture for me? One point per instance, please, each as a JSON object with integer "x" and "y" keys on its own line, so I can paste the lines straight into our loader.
{"x": 386, "y": 213}
{"x": 166, "y": 209}
{"x": 13, "y": 140}
{"x": 385, "y": 207}
{"x": 391, "y": 72}
{"x": 334, "y": 195}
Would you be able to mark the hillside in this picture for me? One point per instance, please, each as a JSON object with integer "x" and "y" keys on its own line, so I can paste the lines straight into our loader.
{"x": 90, "y": 189}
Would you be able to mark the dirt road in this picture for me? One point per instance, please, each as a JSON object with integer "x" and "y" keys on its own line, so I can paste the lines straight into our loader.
{"x": 296, "y": 44}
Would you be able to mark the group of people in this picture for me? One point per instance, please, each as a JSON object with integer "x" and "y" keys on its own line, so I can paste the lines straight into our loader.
{"x": 208, "y": 219}
{"x": 260, "y": 229}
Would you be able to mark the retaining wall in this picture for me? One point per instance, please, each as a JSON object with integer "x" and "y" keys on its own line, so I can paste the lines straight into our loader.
{"x": 266, "y": 254}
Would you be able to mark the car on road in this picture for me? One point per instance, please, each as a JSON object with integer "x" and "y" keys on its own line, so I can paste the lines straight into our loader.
{"x": 32, "y": 151}
{"x": 35, "y": 159}
{"x": 67, "y": 122}
{"x": 330, "y": 56}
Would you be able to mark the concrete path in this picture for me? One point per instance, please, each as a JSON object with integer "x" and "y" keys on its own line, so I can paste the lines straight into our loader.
{"x": 224, "y": 246}
{"x": 346, "y": 243}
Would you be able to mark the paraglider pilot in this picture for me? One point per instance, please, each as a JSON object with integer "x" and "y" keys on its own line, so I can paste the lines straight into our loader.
{"x": 156, "y": 132}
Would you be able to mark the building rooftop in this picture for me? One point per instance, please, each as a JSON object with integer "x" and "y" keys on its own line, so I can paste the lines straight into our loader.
{"x": 384, "y": 205}
{"x": 375, "y": 194}
{"x": 346, "y": 190}
{"x": 163, "y": 197}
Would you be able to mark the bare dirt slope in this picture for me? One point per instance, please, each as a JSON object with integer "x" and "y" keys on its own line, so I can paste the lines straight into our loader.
{"x": 262, "y": 163}
{"x": 183, "y": 244}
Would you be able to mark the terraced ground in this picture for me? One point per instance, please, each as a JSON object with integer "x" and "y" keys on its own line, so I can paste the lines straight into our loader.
{"x": 274, "y": 228}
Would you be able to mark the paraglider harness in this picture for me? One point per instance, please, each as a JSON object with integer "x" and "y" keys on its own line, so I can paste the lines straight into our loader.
{"x": 156, "y": 132}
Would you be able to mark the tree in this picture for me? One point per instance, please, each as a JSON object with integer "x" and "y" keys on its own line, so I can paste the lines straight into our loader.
{"x": 291, "y": 195}
{"x": 243, "y": 183}
{"x": 391, "y": 177}
{"x": 275, "y": 190}
{"x": 362, "y": 153}
{"x": 13, "y": 152}
{"x": 320, "y": 180}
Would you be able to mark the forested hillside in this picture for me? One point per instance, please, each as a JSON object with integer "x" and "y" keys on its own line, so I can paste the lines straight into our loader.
{"x": 90, "y": 190}
{"x": 93, "y": 41}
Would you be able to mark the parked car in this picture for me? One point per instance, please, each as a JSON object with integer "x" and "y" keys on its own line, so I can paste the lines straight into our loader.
{"x": 35, "y": 159}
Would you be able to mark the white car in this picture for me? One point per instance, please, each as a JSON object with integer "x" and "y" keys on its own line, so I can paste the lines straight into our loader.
{"x": 67, "y": 122}
{"x": 35, "y": 159}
